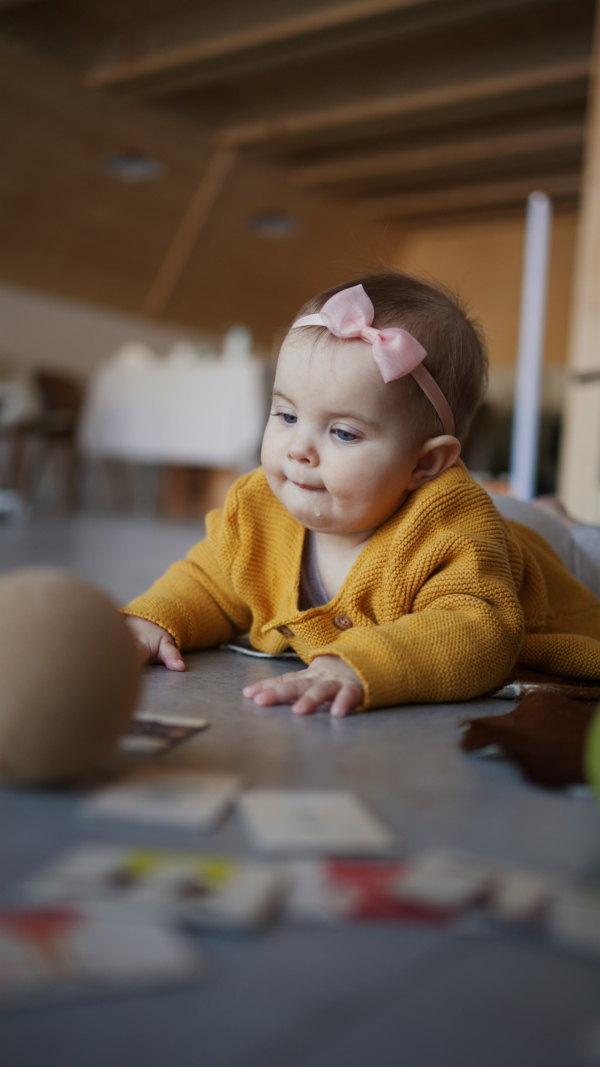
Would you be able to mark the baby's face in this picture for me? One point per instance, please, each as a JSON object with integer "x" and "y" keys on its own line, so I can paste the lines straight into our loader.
{"x": 337, "y": 451}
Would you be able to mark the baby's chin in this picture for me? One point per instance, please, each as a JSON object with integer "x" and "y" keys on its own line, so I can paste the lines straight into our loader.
{"x": 312, "y": 516}
{"x": 321, "y": 519}
{"x": 315, "y": 511}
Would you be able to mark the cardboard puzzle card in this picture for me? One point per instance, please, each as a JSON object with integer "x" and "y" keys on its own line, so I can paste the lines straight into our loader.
{"x": 337, "y": 891}
{"x": 188, "y": 799}
{"x": 152, "y": 735}
{"x": 455, "y": 879}
{"x": 322, "y": 821}
{"x": 60, "y": 952}
{"x": 205, "y": 891}
{"x": 243, "y": 645}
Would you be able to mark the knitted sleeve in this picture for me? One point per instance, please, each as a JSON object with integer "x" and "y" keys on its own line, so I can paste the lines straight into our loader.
{"x": 460, "y": 638}
{"x": 195, "y": 600}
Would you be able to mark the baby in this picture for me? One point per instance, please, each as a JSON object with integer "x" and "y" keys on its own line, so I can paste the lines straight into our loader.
{"x": 362, "y": 542}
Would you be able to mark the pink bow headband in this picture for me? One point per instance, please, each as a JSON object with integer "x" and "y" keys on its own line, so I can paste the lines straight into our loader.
{"x": 396, "y": 352}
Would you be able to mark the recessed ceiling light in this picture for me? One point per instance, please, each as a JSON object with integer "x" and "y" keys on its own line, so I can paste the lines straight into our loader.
{"x": 133, "y": 167}
{"x": 274, "y": 225}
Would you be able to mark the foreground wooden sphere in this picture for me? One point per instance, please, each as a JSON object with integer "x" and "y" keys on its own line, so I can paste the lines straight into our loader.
{"x": 69, "y": 677}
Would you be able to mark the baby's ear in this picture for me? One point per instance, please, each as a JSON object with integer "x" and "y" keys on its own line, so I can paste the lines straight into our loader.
{"x": 435, "y": 456}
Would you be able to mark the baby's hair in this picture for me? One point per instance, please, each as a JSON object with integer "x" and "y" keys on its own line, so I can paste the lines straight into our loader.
{"x": 456, "y": 350}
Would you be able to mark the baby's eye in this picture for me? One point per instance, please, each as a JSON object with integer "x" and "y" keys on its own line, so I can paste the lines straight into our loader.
{"x": 344, "y": 435}
{"x": 286, "y": 417}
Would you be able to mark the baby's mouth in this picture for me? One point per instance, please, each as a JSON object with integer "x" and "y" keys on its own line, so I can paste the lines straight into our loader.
{"x": 309, "y": 488}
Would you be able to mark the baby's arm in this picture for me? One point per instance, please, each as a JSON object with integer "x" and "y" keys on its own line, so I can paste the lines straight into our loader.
{"x": 328, "y": 679}
{"x": 155, "y": 644}
{"x": 193, "y": 606}
{"x": 450, "y": 648}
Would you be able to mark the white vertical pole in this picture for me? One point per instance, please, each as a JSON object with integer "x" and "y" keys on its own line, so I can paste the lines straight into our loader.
{"x": 579, "y": 482}
{"x": 532, "y": 328}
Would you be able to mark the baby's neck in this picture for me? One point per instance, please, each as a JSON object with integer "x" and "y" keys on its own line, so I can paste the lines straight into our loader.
{"x": 335, "y": 556}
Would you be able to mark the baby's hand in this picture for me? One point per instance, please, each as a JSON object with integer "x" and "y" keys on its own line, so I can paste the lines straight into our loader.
{"x": 155, "y": 644}
{"x": 327, "y": 679}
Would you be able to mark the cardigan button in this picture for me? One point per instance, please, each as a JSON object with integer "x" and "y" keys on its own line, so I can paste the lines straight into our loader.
{"x": 285, "y": 631}
{"x": 342, "y": 622}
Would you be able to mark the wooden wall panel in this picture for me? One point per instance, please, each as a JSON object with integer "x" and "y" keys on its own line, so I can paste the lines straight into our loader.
{"x": 68, "y": 227}
{"x": 483, "y": 261}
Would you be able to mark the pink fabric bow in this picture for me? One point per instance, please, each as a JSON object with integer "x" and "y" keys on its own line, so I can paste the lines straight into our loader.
{"x": 350, "y": 313}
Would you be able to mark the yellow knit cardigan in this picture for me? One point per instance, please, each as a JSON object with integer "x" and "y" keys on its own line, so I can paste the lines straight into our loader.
{"x": 439, "y": 606}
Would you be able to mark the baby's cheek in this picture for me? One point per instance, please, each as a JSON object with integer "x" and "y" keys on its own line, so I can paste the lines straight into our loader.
{"x": 349, "y": 485}
{"x": 268, "y": 457}
{"x": 265, "y": 452}
{"x": 273, "y": 481}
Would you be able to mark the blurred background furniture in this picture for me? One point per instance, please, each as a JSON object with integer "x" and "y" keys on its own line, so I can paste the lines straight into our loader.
{"x": 38, "y": 425}
{"x": 54, "y": 435}
{"x": 19, "y": 408}
{"x": 486, "y": 451}
{"x": 191, "y": 419}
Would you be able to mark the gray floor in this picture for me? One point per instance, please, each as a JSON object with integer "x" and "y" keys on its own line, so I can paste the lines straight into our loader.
{"x": 122, "y": 555}
{"x": 315, "y": 998}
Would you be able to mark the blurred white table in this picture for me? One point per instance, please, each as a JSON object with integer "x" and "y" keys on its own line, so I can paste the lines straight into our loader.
{"x": 206, "y": 413}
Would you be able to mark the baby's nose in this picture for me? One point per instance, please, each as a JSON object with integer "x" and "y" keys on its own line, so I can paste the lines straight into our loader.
{"x": 302, "y": 449}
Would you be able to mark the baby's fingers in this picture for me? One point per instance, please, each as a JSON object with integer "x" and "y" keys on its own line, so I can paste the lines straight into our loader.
{"x": 347, "y": 699}
{"x": 169, "y": 654}
{"x": 292, "y": 677}
{"x": 275, "y": 690}
{"x": 343, "y": 697}
{"x": 306, "y": 693}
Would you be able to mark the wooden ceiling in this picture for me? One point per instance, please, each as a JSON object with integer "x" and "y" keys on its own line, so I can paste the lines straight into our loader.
{"x": 355, "y": 118}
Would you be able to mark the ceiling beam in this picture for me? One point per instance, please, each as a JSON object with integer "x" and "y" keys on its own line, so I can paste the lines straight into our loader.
{"x": 431, "y": 157}
{"x": 9, "y": 5}
{"x": 174, "y": 55}
{"x": 406, "y": 103}
{"x": 188, "y": 232}
{"x": 457, "y": 198}
{"x": 205, "y": 48}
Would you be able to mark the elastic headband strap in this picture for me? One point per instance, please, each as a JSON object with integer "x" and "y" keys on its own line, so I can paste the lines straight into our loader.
{"x": 350, "y": 313}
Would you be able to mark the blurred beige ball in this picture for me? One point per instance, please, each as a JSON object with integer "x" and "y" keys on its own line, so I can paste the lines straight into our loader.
{"x": 69, "y": 677}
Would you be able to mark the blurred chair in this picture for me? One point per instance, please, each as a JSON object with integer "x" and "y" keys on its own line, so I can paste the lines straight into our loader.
{"x": 19, "y": 410}
{"x": 54, "y": 436}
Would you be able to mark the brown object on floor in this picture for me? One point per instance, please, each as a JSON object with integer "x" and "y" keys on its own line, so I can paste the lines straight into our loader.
{"x": 544, "y": 736}
{"x": 522, "y": 682}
